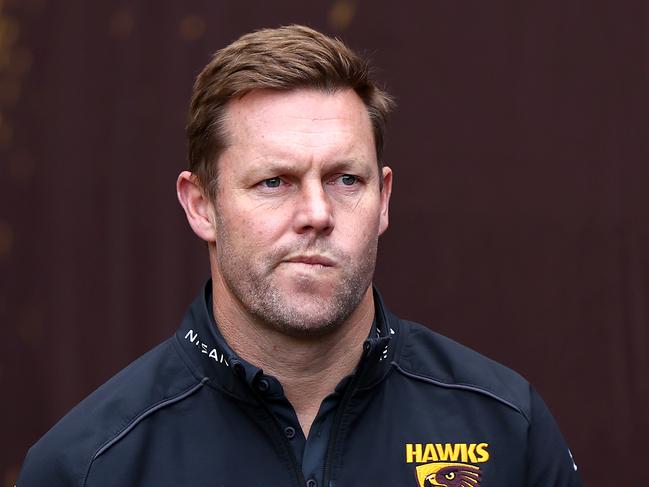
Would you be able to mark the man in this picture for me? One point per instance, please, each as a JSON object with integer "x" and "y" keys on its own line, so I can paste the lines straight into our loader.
{"x": 288, "y": 370}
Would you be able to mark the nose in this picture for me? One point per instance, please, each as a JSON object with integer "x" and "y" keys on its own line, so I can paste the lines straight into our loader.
{"x": 314, "y": 212}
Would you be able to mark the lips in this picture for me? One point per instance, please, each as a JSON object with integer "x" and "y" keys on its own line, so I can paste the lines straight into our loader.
{"x": 311, "y": 260}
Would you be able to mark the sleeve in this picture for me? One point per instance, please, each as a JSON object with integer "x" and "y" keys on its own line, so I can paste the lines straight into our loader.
{"x": 550, "y": 462}
{"x": 44, "y": 468}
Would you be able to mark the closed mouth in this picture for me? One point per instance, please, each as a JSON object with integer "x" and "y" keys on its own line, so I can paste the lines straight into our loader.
{"x": 311, "y": 260}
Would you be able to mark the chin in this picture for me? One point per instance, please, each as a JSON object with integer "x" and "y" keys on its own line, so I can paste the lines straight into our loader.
{"x": 305, "y": 315}
{"x": 310, "y": 327}
{"x": 307, "y": 292}
{"x": 302, "y": 305}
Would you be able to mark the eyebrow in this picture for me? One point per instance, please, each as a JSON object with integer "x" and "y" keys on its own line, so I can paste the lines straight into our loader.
{"x": 282, "y": 166}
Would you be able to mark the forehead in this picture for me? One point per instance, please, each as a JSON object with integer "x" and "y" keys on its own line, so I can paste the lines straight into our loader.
{"x": 302, "y": 118}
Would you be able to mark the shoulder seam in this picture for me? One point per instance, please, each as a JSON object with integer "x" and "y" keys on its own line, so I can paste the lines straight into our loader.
{"x": 467, "y": 387}
{"x": 147, "y": 412}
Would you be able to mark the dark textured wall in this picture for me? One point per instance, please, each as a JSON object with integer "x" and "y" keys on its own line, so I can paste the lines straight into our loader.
{"x": 519, "y": 222}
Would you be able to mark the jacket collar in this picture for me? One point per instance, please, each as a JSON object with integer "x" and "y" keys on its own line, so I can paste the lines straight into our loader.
{"x": 211, "y": 356}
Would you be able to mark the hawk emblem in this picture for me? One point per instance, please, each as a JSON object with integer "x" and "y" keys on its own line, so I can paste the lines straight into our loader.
{"x": 446, "y": 474}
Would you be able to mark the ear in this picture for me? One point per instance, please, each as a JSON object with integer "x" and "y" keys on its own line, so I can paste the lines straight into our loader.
{"x": 385, "y": 198}
{"x": 198, "y": 207}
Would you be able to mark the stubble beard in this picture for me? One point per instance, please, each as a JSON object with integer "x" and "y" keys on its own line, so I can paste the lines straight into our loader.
{"x": 254, "y": 283}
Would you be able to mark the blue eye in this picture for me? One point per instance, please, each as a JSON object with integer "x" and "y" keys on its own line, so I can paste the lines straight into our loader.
{"x": 348, "y": 179}
{"x": 272, "y": 182}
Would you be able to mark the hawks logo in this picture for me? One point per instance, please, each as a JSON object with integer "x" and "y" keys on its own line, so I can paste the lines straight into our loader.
{"x": 448, "y": 475}
{"x": 447, "y": 464}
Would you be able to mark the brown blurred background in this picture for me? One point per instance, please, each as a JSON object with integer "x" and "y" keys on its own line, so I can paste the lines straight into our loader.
{"x": 519, "y": 222}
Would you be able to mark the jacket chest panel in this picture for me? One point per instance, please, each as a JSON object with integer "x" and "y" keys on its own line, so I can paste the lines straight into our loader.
{"x": 437, "y": 433}
{"x": 205, "y": 443}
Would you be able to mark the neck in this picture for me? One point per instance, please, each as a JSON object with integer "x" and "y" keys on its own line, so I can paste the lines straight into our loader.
{"x": 309, "y": 368}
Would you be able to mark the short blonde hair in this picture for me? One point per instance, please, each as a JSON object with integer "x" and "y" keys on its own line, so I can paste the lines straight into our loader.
{"x": 285, "y": 58}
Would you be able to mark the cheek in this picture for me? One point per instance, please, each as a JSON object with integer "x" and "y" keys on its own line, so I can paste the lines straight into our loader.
{"x": 358, "y": 232}
{"x": 253, "y": 230}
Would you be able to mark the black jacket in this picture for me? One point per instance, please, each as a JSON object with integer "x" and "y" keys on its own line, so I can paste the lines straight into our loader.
{"x": 420, "y": 409}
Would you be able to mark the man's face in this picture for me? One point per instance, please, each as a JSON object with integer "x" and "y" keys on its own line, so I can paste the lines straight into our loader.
{"x": 299, "y": 209}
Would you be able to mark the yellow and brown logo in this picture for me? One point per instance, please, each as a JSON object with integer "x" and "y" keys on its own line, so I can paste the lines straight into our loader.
{"x": 447, "y": 464}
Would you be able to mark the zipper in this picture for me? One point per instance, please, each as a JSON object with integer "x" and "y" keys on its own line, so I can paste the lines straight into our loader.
{"x": 333, "y": 439}
{"x": 297, "y": 469}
